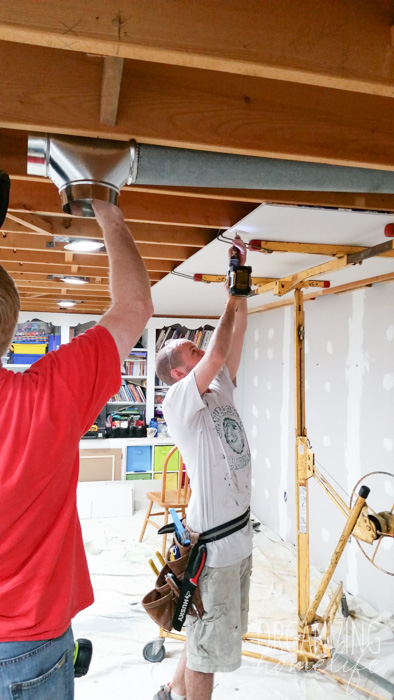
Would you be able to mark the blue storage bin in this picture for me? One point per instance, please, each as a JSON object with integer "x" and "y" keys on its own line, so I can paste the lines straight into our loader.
{"x": 138, "y": 458}
{"x": 19, "y": 359}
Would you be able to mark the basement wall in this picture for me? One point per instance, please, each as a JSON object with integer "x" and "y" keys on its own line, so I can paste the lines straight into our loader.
{"x": 349, "y": 368}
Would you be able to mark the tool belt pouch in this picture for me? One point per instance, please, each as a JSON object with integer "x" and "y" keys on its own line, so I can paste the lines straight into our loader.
{"x": 160, "y": 603}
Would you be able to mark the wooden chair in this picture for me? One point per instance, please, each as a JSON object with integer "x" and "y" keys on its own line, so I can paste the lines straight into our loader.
{"x": 168, "y": 498}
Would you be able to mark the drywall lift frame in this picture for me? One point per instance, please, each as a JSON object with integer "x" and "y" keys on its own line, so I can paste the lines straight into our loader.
{"x": 313, "y": 643}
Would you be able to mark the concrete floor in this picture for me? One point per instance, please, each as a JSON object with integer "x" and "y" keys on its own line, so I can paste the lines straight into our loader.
{"x": 119, "y": 627}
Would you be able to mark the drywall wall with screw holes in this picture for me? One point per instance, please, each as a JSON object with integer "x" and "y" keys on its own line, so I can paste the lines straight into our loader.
{"x": 349, "y": 368}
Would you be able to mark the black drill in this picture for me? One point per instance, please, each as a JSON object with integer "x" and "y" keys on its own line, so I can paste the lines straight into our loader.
{"x": 239, "y": 276}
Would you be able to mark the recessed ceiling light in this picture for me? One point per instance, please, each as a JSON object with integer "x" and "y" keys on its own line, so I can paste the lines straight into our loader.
{"x": 66, "y": 304}
{"x": 84, "y": 245}
{"x": 69, "y": 279}
{"x": 75, "y": 280}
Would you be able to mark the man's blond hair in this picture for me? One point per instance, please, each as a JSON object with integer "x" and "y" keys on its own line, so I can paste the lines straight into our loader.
{"x": 9, "y": 309}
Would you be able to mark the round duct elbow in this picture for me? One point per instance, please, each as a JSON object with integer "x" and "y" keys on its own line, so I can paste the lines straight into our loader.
{"x": 82, "y": 169}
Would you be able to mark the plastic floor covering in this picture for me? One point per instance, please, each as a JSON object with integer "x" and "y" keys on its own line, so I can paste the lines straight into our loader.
{"x": 119, "y": 627}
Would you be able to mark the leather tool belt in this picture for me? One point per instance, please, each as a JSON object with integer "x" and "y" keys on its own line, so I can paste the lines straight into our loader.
{"x": 176, "y": 590}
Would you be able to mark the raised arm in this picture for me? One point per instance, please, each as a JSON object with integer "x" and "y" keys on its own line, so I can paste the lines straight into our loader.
{"x": 234, "y": 356}
{"x": 240, "y": 323}
{"x": 226, "y": 343}
{"x": 219, "y": 347}
{"x": 129, "y": 282}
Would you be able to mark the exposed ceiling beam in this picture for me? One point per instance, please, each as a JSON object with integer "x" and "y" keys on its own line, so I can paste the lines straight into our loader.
{"x": 54, "y": 285}
{"x": 43, "y": 305}
{"x": 209, "y": 110}
{"x": 344, "y": 45}
{"x": 32, "y": 222}
{"x": 142, "y": 233}
{"x": 44, "y": 199}
{"x": 83, "y": 261}
{"x": 30, "y": 241}
{"x": 31, "y": 271}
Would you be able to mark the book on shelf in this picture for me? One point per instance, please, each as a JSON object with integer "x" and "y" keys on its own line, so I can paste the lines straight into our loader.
{"x": 129, "y": 392}
{"x": 207, "y": 337}
{"x": 135, "y": 367}
{"x": 160, "y": 339}
{"x": 198, "y": 336}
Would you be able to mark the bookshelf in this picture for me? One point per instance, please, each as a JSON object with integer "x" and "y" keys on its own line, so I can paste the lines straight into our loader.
{"x": 128, "y": 406}
{"x": 133, "y": 371}
{"x": 200, "y": 336}
{"x": 139, "y": 369}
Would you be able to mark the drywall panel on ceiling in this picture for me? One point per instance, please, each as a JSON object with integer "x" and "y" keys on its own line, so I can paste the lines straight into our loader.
{"x": 175, "y": 295}
{"x": 349, "y": 369}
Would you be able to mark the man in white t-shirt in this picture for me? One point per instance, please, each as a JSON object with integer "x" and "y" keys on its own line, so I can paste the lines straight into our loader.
{"x": 208, "y": 431}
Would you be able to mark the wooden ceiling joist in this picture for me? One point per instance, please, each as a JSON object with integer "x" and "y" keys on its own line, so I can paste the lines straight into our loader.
{"x": 44, "y": 199}
{"x": 285, "y": 40}
{"x": 30, "y": 241}
{"x": 215, "y": 111}
{"x": 51, "y": 306}
{"x": 29, "y": 271}
{"x": 270, "y": 79}
{"x": 83, "y": 261}
{"x": 32, "y": 222}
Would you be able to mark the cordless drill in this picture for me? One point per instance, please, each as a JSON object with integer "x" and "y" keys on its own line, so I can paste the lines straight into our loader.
{"x": 239, "y": 276}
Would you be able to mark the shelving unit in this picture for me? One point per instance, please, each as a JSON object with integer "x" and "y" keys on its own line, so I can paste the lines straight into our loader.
{"x": 67, "y": 323}
{"x": 200, "y": 335}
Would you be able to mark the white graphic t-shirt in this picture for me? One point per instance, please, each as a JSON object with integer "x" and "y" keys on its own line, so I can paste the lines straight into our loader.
{"x": 211, "y": 438}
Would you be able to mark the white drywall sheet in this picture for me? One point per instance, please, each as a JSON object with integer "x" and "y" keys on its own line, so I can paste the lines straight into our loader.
{"x": 349, "y": 369}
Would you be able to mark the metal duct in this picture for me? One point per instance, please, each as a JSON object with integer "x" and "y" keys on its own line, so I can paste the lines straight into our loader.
{"x": 84, "y": 168}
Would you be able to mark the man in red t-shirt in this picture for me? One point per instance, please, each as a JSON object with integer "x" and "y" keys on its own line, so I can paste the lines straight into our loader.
{"x": 44, "y": 411}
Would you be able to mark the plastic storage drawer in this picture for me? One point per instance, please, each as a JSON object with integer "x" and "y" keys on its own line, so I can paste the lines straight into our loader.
{"x": 29, "y": 348}
{"x": 171, "y": 480}
{"x": 161, "y": 452}
{"x": 138, "y": 458}
{"x": 25, "y": 359}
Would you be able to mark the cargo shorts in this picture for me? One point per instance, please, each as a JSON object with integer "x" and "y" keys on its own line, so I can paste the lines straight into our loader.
{"x": 214, "y": 641}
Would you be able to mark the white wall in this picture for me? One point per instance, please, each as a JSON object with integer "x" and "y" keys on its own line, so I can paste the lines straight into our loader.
{"x": 349, "y": 419}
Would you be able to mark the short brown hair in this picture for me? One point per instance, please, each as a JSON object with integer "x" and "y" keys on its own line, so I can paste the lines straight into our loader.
{"x": 169, "y": 357}
{"x": 9, "y": 309}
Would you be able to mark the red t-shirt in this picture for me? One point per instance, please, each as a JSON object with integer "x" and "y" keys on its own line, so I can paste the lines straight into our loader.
{"x": 44, "y": 411}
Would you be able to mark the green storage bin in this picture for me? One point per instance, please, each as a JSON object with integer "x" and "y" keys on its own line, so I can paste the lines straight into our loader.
{"x": 138, "y": 475}
{"x": 161, "y": 452}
